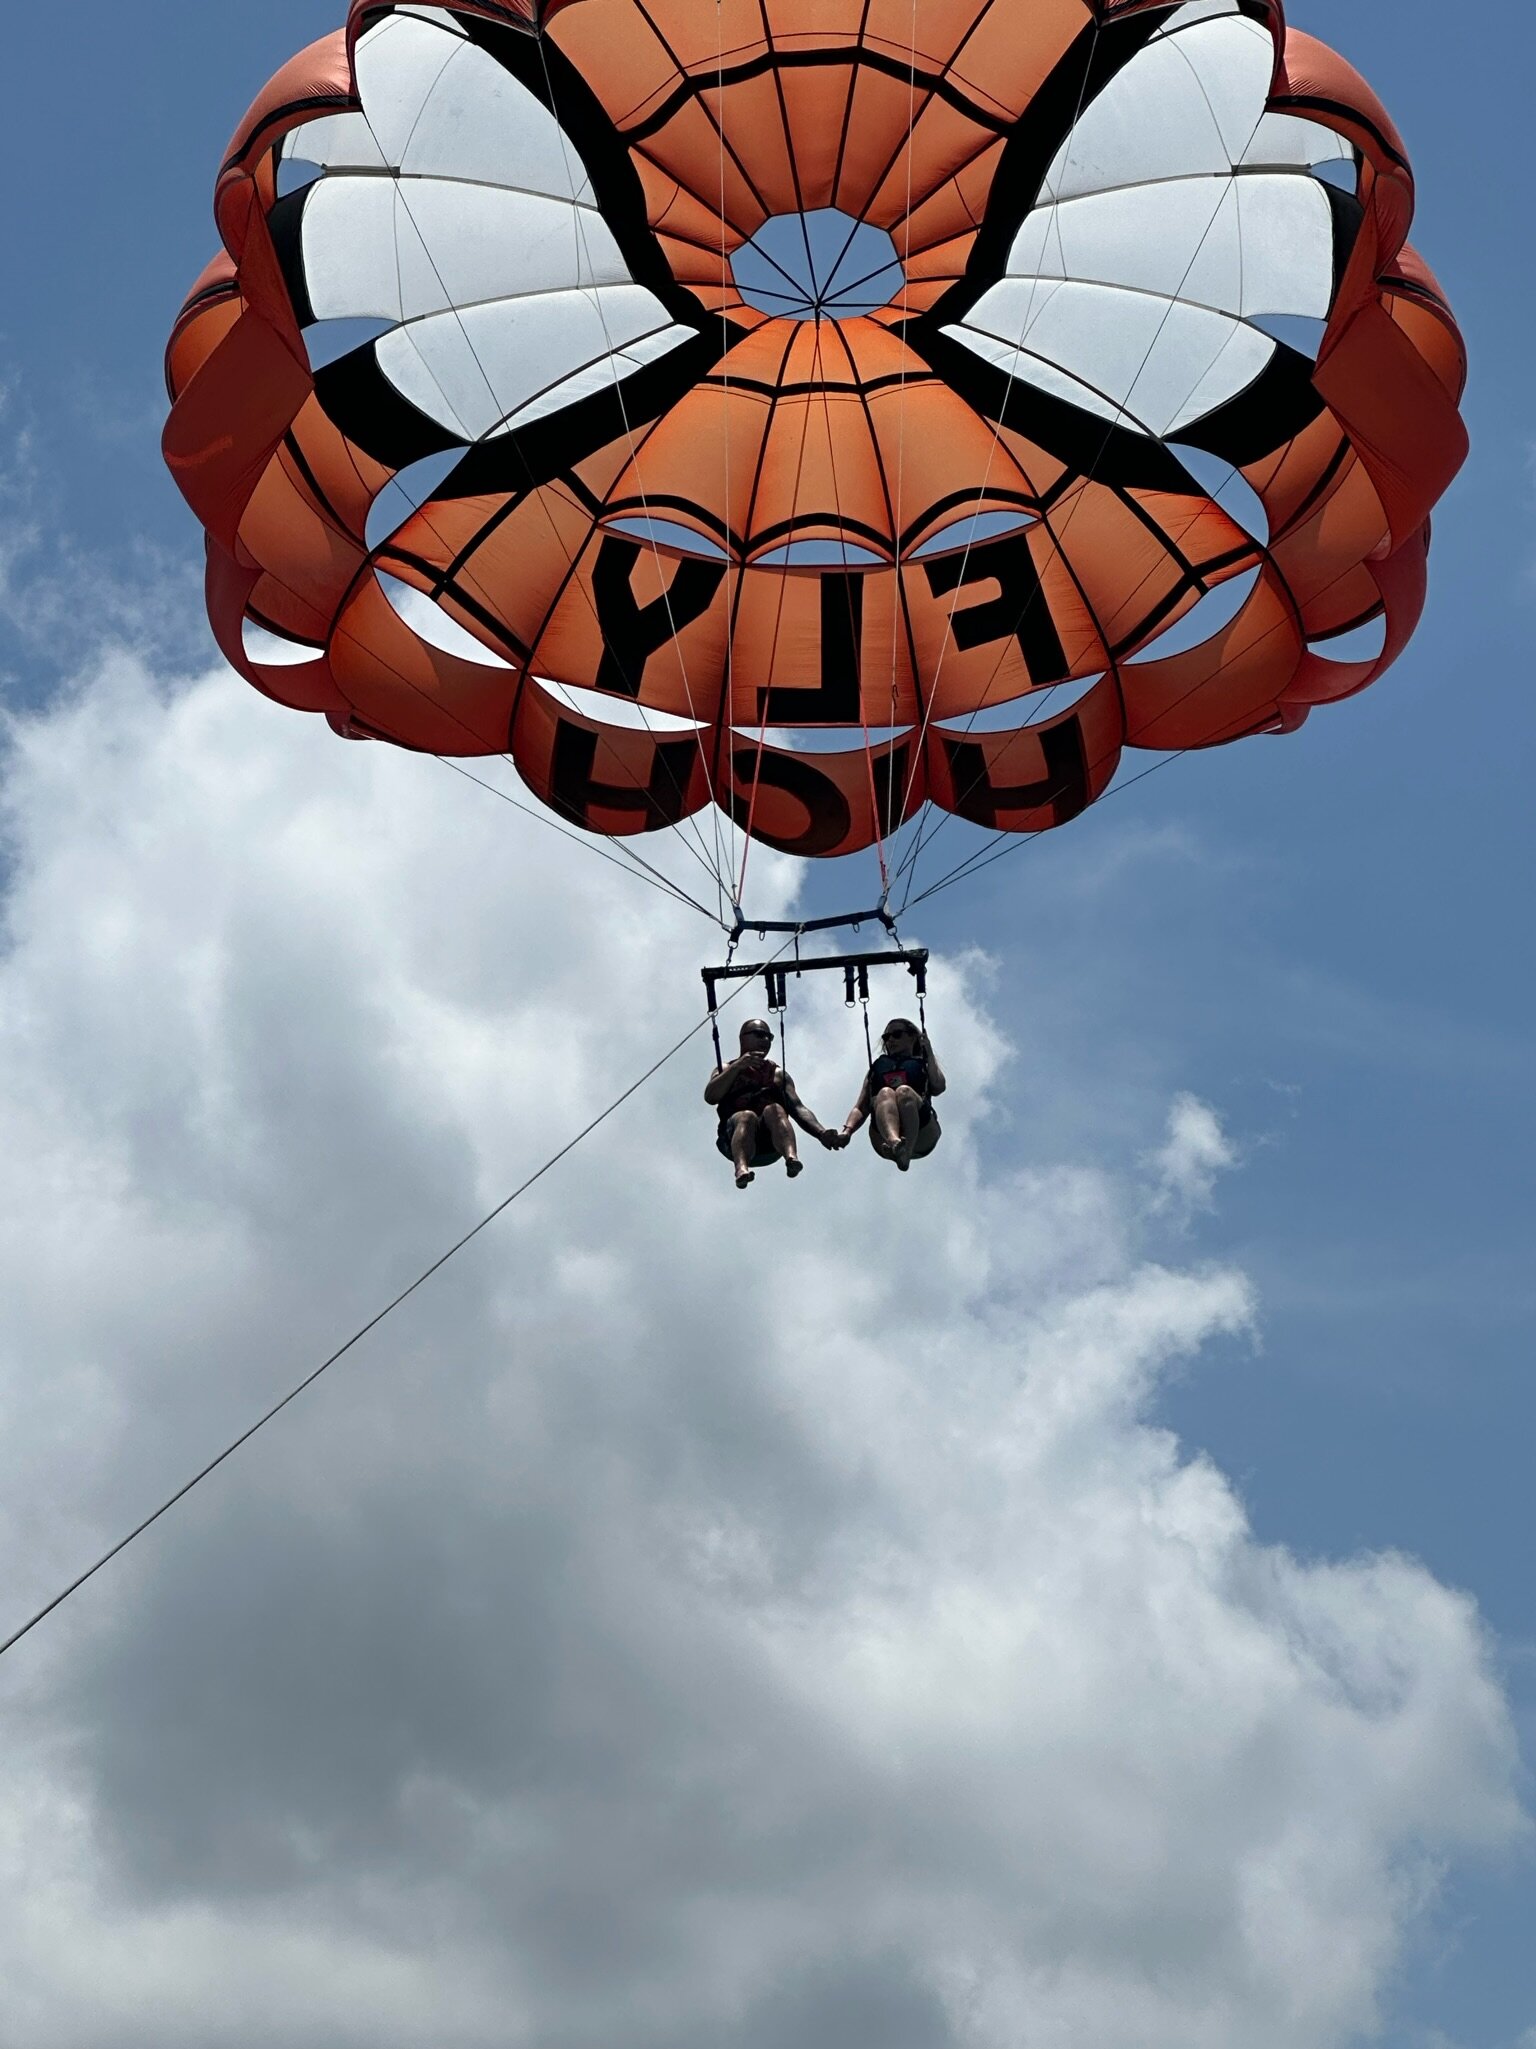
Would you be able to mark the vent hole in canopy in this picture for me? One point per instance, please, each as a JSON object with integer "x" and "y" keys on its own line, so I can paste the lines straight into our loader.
{"x": 818, "y": 265}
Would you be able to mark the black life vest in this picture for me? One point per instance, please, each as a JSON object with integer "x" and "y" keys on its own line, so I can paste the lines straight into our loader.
{"x": 909, "y": 1071}
{"x": 750, "y": 1094}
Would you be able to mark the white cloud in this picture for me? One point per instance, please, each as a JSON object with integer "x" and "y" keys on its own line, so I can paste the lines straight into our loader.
{"x": 1194, "y": 1151}
{"x": 692, "y": 1619}
{"x": 61, "y": 603}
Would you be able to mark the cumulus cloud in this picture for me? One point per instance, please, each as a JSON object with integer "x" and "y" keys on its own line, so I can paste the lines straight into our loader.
{"x": 768, "y": 1622}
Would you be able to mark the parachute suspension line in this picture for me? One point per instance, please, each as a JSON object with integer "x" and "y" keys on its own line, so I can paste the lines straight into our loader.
{"x": 853, "y": 637}
{"x": 1001, "y": 843}
{"x": 571, "y": 560}
{"x": 1058, "y": 540}
{"x": 773, "y": 651}
{"x": 890, "y": 812}
{"x": 653, "y": 877}
{"x": 735, "y": 566}
{"x": 622, "y": 855}
{"x": 595, "y": 298}
{"x": 892, "y": 815}
{"x": 1006, "y": 842}
{"x": 1030, "y": 317}
{"x": 365, "y": 1330}
{"x": 740, "y": 568}
{"x": 984, "y": 856}
{"x": 727, "y": 820}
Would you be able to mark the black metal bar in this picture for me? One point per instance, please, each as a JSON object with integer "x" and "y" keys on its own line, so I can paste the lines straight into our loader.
{"x": 913, "y": 958}
{"x": 855, "y": 966}
{"x": 763, "y": 926}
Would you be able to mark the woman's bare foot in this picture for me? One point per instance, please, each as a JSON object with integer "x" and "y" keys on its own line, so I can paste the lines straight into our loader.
{"x": 793, "y": 1167}
{"x": 903, "y": 1156}
{"x": 744, "y": 1177}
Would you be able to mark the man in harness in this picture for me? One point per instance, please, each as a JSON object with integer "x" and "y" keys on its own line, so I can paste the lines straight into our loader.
{"x": 897, "y": 1096}
{"x": 757, "y": 1100}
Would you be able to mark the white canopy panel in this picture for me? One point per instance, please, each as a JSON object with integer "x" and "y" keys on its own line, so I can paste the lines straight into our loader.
{"x": 454, "y": 206}
{"x": 1136, "y": 286}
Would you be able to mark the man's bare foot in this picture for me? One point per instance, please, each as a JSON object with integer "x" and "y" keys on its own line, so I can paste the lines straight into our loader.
{"x": 744, "y": 1177}
{"x": 903, "y": 1156}
{"x": 793, "y": 1167}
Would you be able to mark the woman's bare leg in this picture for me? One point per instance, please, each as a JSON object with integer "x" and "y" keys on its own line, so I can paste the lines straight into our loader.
{"x": 910, "y": 1105}
{"x": 898, "y": 1116}
{"x": 887, "y": 1115}
{"x": 776, "y": 1122}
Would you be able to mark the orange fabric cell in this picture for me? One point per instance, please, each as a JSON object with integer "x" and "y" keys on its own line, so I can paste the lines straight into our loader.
{"x": 1228, "y": 687}
{"x": 1030, "y": 780}
{"x": 822, "y": 806}
{"x": 410, "y": 691}
{"x": 605, "y": 779}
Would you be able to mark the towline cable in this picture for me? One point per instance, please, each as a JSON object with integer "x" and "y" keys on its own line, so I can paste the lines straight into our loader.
{"x": 372, "y": 1324}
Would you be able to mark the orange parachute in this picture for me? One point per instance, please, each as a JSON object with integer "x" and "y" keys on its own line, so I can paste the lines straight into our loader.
{"x": 820, "y": 410}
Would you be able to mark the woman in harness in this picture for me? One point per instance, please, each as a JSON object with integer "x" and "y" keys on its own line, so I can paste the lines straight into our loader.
{"x": 756, "y": 1100}
{"x": 897, "y": 1096}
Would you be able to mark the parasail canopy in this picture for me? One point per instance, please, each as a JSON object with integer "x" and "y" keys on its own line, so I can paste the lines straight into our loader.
{"x": 815, "y": 410}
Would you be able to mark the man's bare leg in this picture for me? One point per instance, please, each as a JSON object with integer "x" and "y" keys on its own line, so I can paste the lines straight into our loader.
{"x": 782, "y": 1132}
{"x": 743, "y": 1145}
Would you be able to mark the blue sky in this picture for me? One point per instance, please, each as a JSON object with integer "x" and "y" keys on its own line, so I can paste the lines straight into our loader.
{"x": 1325, "y": 937}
